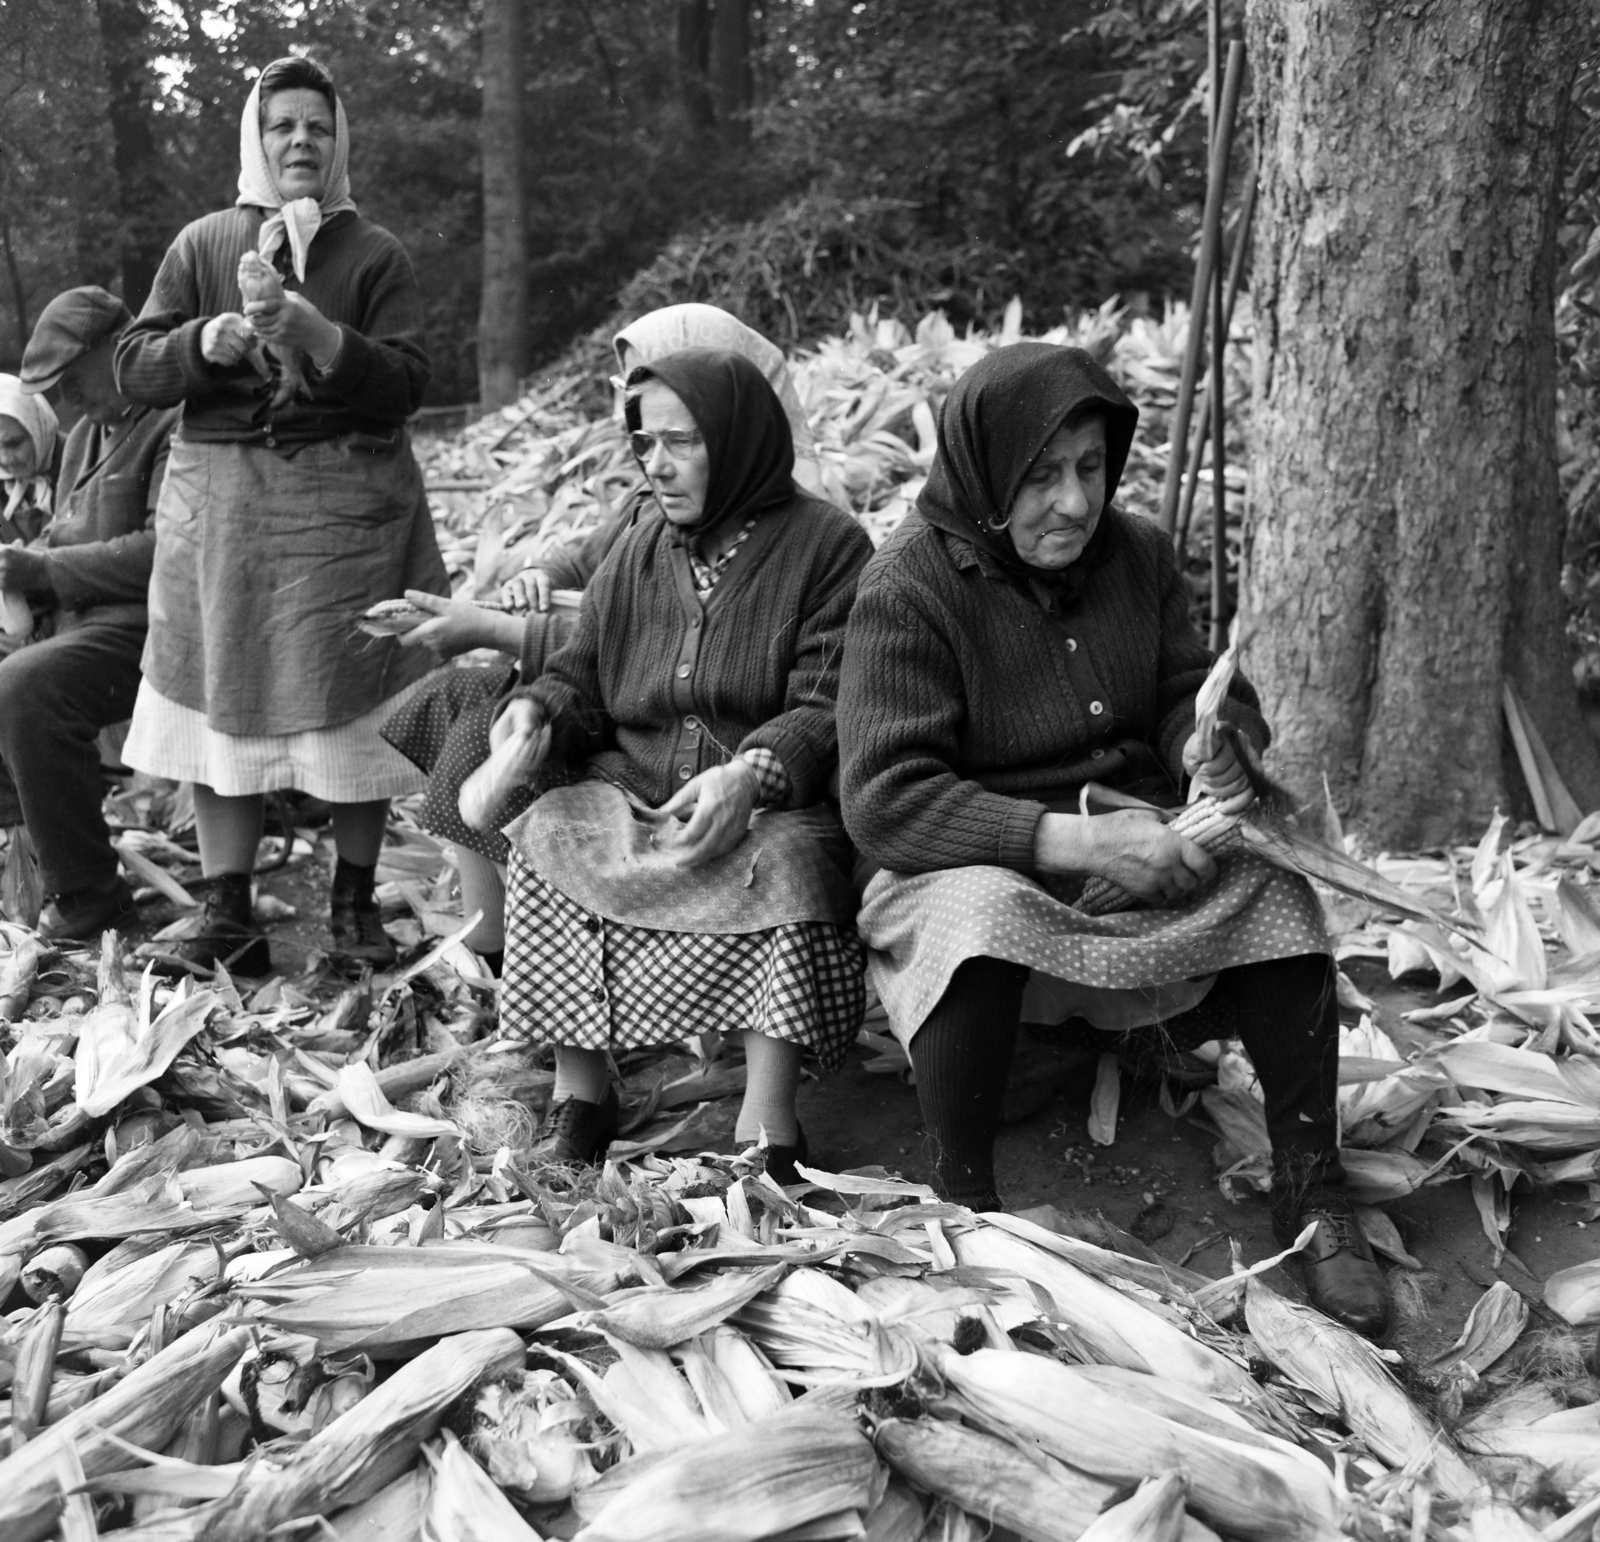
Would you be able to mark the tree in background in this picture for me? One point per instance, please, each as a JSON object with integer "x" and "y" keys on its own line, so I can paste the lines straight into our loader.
{"x": 503, "y": 307}
{"x": 1405, "y": 555}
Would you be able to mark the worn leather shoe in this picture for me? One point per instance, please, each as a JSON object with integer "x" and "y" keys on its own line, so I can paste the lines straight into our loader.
{"x": 781, "y": 1160}
{"x": 358, "y": 933}
{"x": 1341, "y": 1276}
{"x": 577, "y": 1132}
{"x": 82, "y": 916}
{"x": 240, "y": 945}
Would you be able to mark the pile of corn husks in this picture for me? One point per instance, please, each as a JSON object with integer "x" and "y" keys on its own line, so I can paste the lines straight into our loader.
{"x": 540, "y": 472}
{"x": 277, "y": 1267}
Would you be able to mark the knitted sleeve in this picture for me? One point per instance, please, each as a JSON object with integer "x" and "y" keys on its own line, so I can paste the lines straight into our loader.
{"x": 804, "y": 736}
{"x": 901, "y": 702}
{"x": 381, "y": 369}
{"x": 158, "y": 360}
{"x": 1182, "y": 666}
{"x": 568, "y": 691}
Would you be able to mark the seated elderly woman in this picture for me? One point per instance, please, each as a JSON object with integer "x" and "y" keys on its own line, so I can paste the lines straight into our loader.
{"x": 445, "y": 730}
{"x": 1016, "y": 639}
{"x": 692, "y": 875}
{"x": 29, "y": 461}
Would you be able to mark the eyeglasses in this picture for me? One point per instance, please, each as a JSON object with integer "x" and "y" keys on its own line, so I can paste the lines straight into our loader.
{"x": 679, "y": 443}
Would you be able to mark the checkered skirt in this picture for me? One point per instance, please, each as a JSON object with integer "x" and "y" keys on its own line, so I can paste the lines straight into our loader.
{"x": 575, "y": 978}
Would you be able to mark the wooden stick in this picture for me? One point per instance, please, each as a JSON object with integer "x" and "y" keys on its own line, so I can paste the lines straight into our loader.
{"x": 1197, "y": 445}
{"x": 1210, "y": 237}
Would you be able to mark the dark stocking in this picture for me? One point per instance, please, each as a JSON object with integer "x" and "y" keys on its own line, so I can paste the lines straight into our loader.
{"x": 961, "y": 1055}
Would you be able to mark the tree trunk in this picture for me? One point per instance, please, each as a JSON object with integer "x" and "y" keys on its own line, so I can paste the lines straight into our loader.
{"x": 1404, "y": 555}
{"x": 503, "y": 309}
{"x": 141, "y": 184}
{"x": 694, "y": 64}
{"x": 730, "y": 70}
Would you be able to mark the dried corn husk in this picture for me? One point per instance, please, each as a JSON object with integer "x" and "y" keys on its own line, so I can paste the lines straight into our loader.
{"x": 35, "y": 1362}
{"x": 246, "y": 1182}
{"x": 1153, "y": 1514}
{"x": 1574, "y": 1293}
{"x": 147, "y": 1406}
{"x": 18, "y": 972}
{"x": 393, "y": 1514}
{"x": 1115, "y": 1329}
{"x": 366, "y": 1448}
{"x": 122, "y": 1288}
{"x": 1344, "y": 1370}
{"x": 653, "y": 1318}
{"x": 466, "y": 1506}
{"x": 1493, "y": 1325}
{"x": 1040, "y": 1499}
{"x": 53, "y": 1273}
{"x": 753, "y": 1482}
{"x": 1244, "y": 1490}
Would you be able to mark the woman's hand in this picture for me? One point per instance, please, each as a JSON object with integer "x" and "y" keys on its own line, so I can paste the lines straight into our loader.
{"x": 1131, "y": 847}
{"x": 529, "y": 590}
{"x": 519, "y": 741}
{"x": 459, "y": 627}
{"x": 722, "y": 800}
{"x": 226, "y": 339}
{"x": 292, "y": 321}
{"x": 1224, "y": 776}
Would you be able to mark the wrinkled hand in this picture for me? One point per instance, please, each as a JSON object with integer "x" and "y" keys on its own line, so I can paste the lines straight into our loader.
{"x": 459, "y": 627}
{"x": 1131, "y": 847}
{"x": 722, "y": 801}
{"x": 226, "y": 339}
{"x": 519, "y": 741}
{"x": 292, "y": 321}
{"x": 528, "y": 590}
{"x": 1224, "y": 776}
{"x": 23, "y": 571}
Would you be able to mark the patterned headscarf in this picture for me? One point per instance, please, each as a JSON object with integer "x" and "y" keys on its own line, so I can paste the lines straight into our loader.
{"x": 298, "y": 220}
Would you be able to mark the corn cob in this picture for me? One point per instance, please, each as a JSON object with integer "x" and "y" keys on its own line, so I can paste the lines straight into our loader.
{"x": 653, "y": 1318}
{"x": 1204, "y": 822}
{"x": 1153, "y": 1514}
{"x": 146, "y": 1407}
{"x": 36, "y": 1359}
{"x": 1257, "y": 1495}
{"x": 753, "y": 1482}
{"x": 53, "y": 1273}
{"x": 466, "y": 1506}
{"x": 367, "y": 1447}
{"x": 1041, "y": 1500}
{"x": 1345, "y": 1371}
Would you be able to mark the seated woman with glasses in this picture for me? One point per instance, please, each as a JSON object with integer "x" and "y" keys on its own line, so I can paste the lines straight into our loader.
{"x": 445, "y": 730}
{"x": 682, "y": 869}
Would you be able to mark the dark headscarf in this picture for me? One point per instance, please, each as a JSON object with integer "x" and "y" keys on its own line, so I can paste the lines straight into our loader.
{"x": 743, "y": 423}
{"x": 996, "y": 420}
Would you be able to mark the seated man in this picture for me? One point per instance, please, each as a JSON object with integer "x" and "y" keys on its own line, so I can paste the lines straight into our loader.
{"x": 94, "y": 568}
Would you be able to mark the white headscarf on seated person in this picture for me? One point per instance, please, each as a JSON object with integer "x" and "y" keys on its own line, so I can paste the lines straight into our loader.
{"x": 676, "y": 327}
{"x": 38, "y": 419}
{"x": 298, "y": 220}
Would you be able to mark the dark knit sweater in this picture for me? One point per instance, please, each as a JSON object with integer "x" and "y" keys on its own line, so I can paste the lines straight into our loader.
{"x": 357, "y": 275}
{"x": 653, "y": 688}
{"x": 966, "y": 707}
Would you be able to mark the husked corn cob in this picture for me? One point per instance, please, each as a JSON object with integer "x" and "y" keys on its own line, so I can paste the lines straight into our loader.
{"x": 1202, "y": 821}
{"x": 1043, "y": 1501}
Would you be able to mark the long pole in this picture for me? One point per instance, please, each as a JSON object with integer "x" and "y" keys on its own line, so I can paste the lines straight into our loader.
{"x": 1219, "y": 355}
{"x": 1197, "y": 445}
{"x": 1205, "y": 267}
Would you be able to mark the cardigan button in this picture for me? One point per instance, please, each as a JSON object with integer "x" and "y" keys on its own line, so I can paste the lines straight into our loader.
{"x": 1096, "y": 708}
{"x": 1097, "y": 754}
{"x": 1072, "y": 645}
{"x": 683, "y": 671}
{"x": 685, "y": 772}
{"x": 694, "y": 623}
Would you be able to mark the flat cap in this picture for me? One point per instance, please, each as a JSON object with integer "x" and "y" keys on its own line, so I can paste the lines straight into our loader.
{"x": 76, "y": 321}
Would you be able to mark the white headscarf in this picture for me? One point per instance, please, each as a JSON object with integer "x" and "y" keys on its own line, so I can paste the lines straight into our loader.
{"x": 38, "y": 418}
{"x": 298, "y": 220}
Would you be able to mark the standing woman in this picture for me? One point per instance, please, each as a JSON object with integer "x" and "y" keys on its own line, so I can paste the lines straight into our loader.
{"x": 292, "y": 503}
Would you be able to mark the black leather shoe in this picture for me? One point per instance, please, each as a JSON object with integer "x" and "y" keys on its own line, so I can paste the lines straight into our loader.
{"x": 358, "y": 933}
{"x": 1341, "y": 1276}
{"x": 577, "y": 1132}
{"x": 781, "y": 1160}
{"x": 240, "y": 945}
{"x": 82, "y": 916}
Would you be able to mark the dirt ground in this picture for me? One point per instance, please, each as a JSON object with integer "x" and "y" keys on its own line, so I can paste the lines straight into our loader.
{"x": 1157, "y": 1179}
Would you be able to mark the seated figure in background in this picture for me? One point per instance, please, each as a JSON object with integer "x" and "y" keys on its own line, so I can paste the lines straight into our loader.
{"x": 1017, "y": 638}
{"x": 89, "y": 569}
{"x": 690, "y": 875}
{"x": 446, "y": 730}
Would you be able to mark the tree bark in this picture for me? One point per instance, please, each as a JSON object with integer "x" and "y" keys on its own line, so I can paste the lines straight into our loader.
{"x": 503, "y": 308}
{"x": 730, "y": 71}
{"x": 694, "y": 64}
{"x": 1404, "y": 550}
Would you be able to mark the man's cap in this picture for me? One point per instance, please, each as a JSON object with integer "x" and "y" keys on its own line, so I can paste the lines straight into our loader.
{"x": 72, "y": 324}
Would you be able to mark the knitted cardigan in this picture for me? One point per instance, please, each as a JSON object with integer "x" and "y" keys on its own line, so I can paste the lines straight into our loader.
{"x": 654, "y": 688}
{"x": 968, "y": 704}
